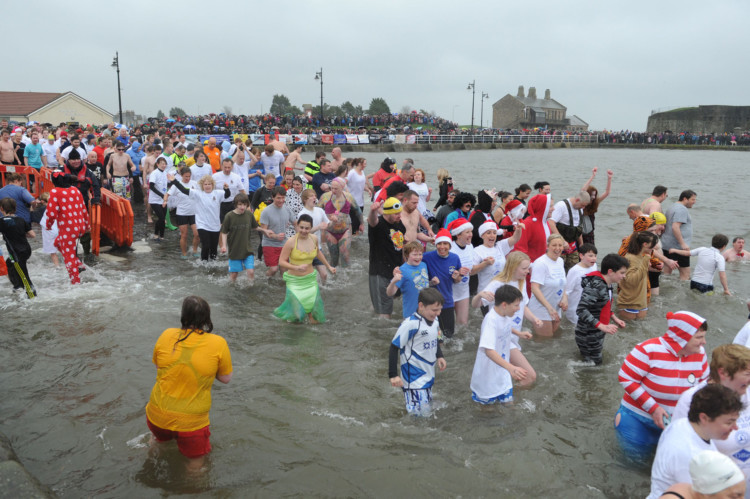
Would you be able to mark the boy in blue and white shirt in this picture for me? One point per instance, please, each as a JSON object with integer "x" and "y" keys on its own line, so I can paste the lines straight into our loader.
{"x": 416, "y": 347}
{"x": 410, "y": 278}
{"x": 492, "y": 377}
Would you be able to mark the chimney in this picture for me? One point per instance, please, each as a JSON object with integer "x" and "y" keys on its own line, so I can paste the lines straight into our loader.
{"x": 520, "y": 91}
{"x": 532, "y": 92}
{"x": 546, "y": 94}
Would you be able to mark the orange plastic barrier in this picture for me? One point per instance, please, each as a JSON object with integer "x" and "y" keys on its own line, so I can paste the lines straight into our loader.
{"x": 28, "y": 173}
{"x": 95, "y": 212}
{"x": 114, "y": 217}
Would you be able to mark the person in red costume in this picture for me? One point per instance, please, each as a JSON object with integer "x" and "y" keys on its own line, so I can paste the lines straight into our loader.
{"x": 533, "y": 240}
{"x": 66, "y": 207}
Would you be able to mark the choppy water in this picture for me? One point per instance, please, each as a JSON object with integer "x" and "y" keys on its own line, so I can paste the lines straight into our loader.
{"x": 310, "y": 410}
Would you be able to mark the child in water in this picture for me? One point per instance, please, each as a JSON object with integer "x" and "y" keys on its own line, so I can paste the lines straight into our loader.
{"x": 416, "y": 346}
{"x": 493, "y": 374}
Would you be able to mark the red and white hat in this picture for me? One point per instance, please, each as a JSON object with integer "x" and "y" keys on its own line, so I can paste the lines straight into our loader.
{"x": 681, "y": 328}
{"x": 460, "y": 225}
{"x": 443, "y": 236}
{"x": 487, "y": 225}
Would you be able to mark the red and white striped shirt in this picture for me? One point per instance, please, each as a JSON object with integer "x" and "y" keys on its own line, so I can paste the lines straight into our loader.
{"x": 653, "y": 374}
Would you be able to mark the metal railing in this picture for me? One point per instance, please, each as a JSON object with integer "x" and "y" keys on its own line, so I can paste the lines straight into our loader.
{"x": 504, "y": 139}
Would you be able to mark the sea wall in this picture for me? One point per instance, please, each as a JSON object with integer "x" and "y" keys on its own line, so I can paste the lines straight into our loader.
{"x": 352, "y": 150}
{"x": 15, "y": 481}
{"x": 701, "y": 119}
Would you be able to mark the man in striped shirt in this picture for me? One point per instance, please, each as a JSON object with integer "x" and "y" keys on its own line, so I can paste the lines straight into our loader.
{"x": 654, "y": 375}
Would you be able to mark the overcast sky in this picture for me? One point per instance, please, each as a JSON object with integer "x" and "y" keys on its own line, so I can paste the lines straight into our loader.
{"x": 611, "y": 63}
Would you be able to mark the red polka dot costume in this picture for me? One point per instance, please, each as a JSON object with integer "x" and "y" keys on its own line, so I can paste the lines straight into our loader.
{"x": 66, "y": 206}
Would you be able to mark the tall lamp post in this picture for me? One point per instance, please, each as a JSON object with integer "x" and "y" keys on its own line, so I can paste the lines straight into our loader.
{"x": 116, "y": 64}
{"x": 471, "y": 87}
{"x": 481, "y": 114}
{"x": 319, "y": 76}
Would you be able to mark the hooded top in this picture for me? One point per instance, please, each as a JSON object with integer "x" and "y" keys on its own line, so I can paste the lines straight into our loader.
{"x": 533, "y": 240}
{"x": 480, "y": 215}
{"x": 653, "y": 373}
{"x": 595, "y": 306}
{"x": 136, "y": 154}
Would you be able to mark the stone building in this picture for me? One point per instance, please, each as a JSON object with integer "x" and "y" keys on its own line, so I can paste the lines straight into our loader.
{"x": 520, "y": 111}
{"x": 701, "y": 119}
{"x": 47, "y": 107}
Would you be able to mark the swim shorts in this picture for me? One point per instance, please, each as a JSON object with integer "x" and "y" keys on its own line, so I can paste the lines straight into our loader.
{"x": 682, "y": 261}
{"x": 418, "y": 401}
{"x": 500, "y": 399}
{"x": 191, "y": 444}
{"x": 185, "y": 220}
{"x": 240, "y": 265}
{"x": 703, "y": 288}
{"x": 271, "y": 255}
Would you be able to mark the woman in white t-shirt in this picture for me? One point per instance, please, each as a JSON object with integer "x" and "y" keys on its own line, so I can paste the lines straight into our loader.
{"x": 206, "y": 203}
{"x": 200, "y": 169}
{"x": 356, "y": 182}
{"x": 548, "y": 287}
{"x": 461, "y": 231}
{"x": 320, "y": 223}
{"x": 517, "y": 267}
{"x": 423, "y": 191}
{"x": 490, "y": 248}
{"x": 185, "y": 211}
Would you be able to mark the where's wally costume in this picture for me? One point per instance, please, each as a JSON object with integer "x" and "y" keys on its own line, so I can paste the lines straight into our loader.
{"x": 66, "y": 207}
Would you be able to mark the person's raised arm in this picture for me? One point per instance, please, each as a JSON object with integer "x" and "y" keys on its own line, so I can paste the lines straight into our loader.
{"x": 591, "y": 178}
{"x": 610, "y": 174}
{"x": 372, "y": 217}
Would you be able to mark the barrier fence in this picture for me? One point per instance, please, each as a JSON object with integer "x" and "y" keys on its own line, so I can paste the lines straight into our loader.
{"x": 114, "y": 216}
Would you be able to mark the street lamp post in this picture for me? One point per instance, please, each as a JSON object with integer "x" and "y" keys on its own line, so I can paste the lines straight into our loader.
{"x": 319, "y": 76}
{"x": 471, "y": 87}
{"x": 481, "y": 114}
{"x": 116, "y": 64}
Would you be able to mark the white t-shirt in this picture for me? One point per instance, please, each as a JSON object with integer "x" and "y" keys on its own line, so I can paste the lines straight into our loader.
{"x": 183, "y": 202}
{"x": 498, "y": 252}
{"x": 159, "y": 178}
{"x": 677, "y": 446}
{"x": 560, "y": 214}
{"x": 81, "y": 150}
{"x": 517, "y": 319}
{"x": 423, "y": 192}
{"x": 743, "y": 336}
{"x": 551, "y": 276}
{"x": 271, "y": 163}
{"x": 488, "y": 379}
{"x": 206, "y": 206}
{"x": 241, "y": 170}
{"x": 709, "y": 261}
{"x": 318, "y": 215}
{"x": 466, "y": 255}
{"x": 574, "y": 290}
{"x": 737, "y": 445}
{"x": 198, "y": 172}
{"x": 50, "y": 150}
{"x": 232, "y": 180}
{"x": 356, "y": 185}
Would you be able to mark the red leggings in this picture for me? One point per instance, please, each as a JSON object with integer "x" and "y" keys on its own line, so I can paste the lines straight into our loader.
{"x": 68, "y": 249}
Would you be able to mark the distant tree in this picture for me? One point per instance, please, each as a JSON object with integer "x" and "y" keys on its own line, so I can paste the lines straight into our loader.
{"x": 350, "y": 109}
{"x": 227, "y": 110}
{"x": 160, "y": 115}
{"x": 177, "y": 111}
{"x": 405, "y": 109}
{"x": 281, "y": 105}
{"x": 424, "y": 111}
{"x": 328, "y": 111}
{"x": 378, "y": 106}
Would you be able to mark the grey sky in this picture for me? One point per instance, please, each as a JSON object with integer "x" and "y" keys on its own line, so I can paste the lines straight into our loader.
{"x": 610, "y": 63}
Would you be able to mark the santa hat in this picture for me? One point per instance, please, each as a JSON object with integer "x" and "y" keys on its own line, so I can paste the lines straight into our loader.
{"x": 681, "y": 328}
{"x": 487, "y": 225}
{"x": 459, "y": 225}
{"x": 443, "y": 236}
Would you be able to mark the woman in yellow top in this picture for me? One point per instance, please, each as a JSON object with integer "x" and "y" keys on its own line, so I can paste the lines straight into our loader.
{"x": 632, "y": 291}
{"x": 187, "y": 361}
{"x": 302, "y": 291}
